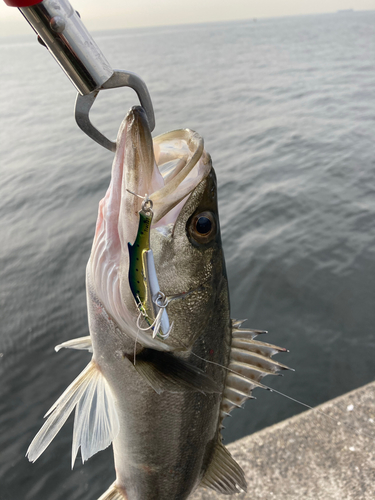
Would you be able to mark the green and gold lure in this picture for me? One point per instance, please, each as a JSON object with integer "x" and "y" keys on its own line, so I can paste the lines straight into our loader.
{"x": 151, "y": 302}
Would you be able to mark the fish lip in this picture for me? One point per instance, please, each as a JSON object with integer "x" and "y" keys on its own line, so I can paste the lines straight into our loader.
{"x": 139, "y": 124}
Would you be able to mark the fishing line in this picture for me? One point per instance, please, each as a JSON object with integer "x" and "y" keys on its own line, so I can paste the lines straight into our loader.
{"x": 334, "y": 419}
{"x": 258, "y": 384}
{"x": 135, "y": 194}
{"x": 147, "y": 202}
{"x": 135, "y": 347}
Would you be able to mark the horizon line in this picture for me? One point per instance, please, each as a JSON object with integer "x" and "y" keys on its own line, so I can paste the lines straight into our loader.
{"x": 250, "y": 19}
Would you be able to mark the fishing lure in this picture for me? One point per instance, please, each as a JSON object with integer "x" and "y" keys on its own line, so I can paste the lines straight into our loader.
{"x": 143, "y": 281}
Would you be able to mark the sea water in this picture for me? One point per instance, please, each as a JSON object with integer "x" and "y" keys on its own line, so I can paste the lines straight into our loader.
{"x": 287, "y": 110}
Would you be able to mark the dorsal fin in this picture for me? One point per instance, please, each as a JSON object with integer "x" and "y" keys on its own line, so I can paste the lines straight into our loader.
{"x": 224, "y": 475}
{"x": 250, "y": 361}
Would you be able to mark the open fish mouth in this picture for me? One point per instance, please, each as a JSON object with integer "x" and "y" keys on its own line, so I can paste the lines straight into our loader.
{"x": 165, "y": 171}
{"x": 183, "y": 164}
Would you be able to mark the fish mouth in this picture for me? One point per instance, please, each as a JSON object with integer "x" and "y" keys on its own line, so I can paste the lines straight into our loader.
{"x": 183, "y": 164}
{"x": 170, "y": 166}
{"x": 166, "y": 170}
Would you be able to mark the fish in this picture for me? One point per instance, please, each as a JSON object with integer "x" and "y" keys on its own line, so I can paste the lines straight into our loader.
{"x": 169, "y": 364}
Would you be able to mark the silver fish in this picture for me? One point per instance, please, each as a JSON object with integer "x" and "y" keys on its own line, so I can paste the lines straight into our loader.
{"x": 160, "y": 400}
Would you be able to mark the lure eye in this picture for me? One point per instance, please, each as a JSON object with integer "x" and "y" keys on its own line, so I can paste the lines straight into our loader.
{"x": 202, "y": 227}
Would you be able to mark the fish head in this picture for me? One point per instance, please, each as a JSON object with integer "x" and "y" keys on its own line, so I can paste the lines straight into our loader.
{"x": 190, "y": 265}
{"x": 175, "y": 173}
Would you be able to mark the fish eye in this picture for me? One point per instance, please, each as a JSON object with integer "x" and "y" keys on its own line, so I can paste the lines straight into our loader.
{"x": 202, "y": 227}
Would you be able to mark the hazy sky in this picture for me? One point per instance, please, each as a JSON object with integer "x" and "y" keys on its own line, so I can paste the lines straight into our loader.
{"x": 116, "y": 14}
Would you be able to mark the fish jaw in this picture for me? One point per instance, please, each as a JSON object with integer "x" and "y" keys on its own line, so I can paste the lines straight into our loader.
{"x": 135, "y": 175}
{"x": 133, "y": 171}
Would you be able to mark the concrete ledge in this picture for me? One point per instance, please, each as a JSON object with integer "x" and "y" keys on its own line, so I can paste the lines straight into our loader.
{"x": 310, "y": 456}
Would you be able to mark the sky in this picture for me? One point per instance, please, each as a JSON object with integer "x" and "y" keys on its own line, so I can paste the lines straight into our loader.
{"x": 116, "y": 14}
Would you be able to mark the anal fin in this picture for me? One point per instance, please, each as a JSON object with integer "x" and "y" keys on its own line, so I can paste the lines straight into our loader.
{"x": 224, "y": 475}
{"x": 95, "y": 424}
{"x": 114, "y": 493}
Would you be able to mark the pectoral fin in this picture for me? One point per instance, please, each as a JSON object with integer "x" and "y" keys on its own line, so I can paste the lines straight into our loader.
{"x": 82, "y": 343}
{"x": 167, "y": 372}
{"x": 95, "y": 424}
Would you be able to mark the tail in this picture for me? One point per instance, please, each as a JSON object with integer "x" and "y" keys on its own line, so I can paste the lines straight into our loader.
{"x": 95, "y": 424}
{"x": 114, "y": 493}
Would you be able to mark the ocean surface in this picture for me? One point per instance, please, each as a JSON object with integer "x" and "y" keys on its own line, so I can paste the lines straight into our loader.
{"x": 287, "y": 110}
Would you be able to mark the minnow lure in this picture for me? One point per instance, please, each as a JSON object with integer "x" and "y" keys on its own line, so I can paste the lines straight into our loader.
{"x": 151, "y": 302}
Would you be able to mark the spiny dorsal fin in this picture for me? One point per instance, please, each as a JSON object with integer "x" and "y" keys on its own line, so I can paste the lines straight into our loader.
{"x": 257, "y": 346}
{"x": 250, "y": 358}
{"x": 236, "y": 323}
{"x": 250, "y": 361}
{"x": 224, "y": 475}
{"x": 95, "y": 424}
{"x": 82, "y": 343}
{"x": 246, "y": 333}
{"x": 114, "y": 493}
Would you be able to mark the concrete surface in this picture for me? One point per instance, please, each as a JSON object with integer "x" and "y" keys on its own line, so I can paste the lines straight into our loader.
{"x": 310, "y": 456}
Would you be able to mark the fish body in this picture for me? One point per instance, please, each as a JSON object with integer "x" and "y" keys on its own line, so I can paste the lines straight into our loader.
{"x": 166, "y": 439}
{"x": 160, "y": 401}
